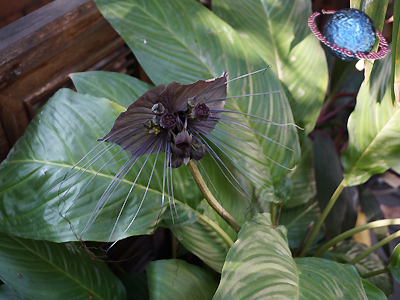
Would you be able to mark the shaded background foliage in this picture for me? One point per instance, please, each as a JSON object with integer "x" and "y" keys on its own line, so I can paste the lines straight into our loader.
{"x": 241, "y": 37}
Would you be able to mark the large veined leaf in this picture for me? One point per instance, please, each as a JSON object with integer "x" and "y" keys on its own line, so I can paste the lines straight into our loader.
{"x": 372, "y": 292}
{"x": 260, "y": 265}
{"x": 45, "y": 270}
{"x": 374, "y": 129}
{"x": 294, "y": 52}
{"x": 183, "y": 41}
{"x": 325, "y": 279}
{"x": 65, "y": 131}
{"x": 177, "y": 279}
{"x": 348, "y": 250}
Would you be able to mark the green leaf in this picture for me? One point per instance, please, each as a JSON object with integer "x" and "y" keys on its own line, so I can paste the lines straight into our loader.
{"x": 325, "y": 279}
{"x": 374, "y": 131}
{"x": 54, "y": 142}
{"x": 260, "y": 266}
{"x": 199, "y": 45}
{"x": 119, "y": 88}
{"x": 328, "y": 173}
{"x": 200, "y": 235}
{"x": 395, "y": 70}
{"x": 44, "y": 270}
{"x": 136, "y": 286}
{"x": 347, "y": 250}
{"x": 279, "y": 33}
{"x": 394, "y": 264}
{"x": 376, "y": 10}
{"x": 7, "y": 293}
{"x": 373, "y": 293}
{"x": 303, "y": 178}
{"x": 177, "y": 279}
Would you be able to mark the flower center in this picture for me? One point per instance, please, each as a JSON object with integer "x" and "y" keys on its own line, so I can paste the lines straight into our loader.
{"x": 201, "y": 112}
{"x": 168, "y": 121}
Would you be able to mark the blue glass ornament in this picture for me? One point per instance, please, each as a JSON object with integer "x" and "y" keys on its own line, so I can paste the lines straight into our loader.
{"x": 352, "y": 30}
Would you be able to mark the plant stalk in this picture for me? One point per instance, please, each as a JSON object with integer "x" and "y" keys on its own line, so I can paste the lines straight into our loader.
{"x": 322, "y": 218}
{"x": 349, "y": 233}
{"x": 272, "y": 210}
{"x": 374, "y": 247}
{"x": 211, "y": 199}
{"x": 374, "y": 273}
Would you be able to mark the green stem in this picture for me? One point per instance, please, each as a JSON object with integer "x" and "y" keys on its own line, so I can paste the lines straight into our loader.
{"x": 349, "y": 233}
{"x": 374, "y": 247}
{"x": 374, "y": 273}
{"x": 321, "y": 220}
{"x": 210, "y": 198}
{"x": 272, "y": 210}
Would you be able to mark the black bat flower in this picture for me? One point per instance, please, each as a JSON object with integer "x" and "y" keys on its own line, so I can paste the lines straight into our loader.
{"x": 171, "y": 119}
{"x": 178, "y": 121}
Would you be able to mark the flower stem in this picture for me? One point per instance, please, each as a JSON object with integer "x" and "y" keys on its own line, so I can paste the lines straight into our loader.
{"x": 374, "y": 273}
{"x": 210, "y": 198}
{"x": 349, "y": 233}
{"x": 374, "y": 247}
{"x": 322, "y": 218}
{"x": 272, "y": 210}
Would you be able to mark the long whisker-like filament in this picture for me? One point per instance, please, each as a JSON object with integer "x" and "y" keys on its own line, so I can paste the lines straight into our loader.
{"x": 260, "y": 119}
{"x": 130, "y": 191}
{"x": 214, "y": 140}
{"x": 113, "y": 185}
{"x": 241, "y": 96}
{"x": 250, "y": 129}
{"x": 252, "y": 147}
{"x": 218, "y": 163}
{"x": 98, "y": 172}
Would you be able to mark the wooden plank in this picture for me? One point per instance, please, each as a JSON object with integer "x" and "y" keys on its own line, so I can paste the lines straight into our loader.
{"x": 4, "y": 146}
{"x": 38, "y": 52}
